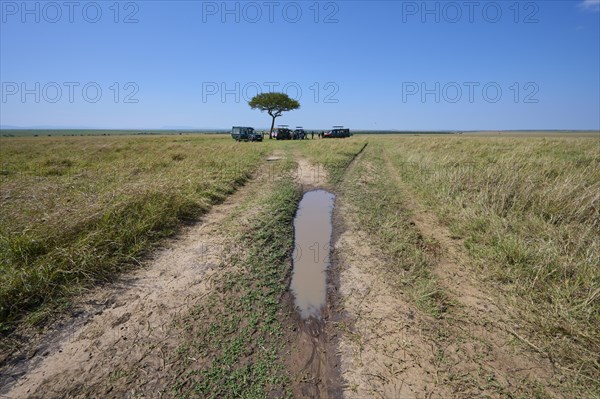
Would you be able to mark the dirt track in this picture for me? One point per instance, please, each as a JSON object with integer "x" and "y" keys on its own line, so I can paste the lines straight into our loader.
{"x": 130, "y": 328}
{"x": 390, "y": 349}
{"x": 312, "y": 358}
{"x": 370, "y": 342}
{"x": 123, "y": 333}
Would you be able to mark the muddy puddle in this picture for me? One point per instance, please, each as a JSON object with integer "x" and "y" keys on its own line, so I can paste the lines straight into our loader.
{"x": 313, "y": 228}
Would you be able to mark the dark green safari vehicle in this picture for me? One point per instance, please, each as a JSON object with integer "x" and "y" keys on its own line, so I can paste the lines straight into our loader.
{"x": 241, "y": 133}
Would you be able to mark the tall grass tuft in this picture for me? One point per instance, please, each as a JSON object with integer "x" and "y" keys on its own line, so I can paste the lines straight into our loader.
{"x": 76, "y": 211}
{"x": 528, "y": 209}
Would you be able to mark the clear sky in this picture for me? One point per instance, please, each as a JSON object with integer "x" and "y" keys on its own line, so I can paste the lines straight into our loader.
{"x": 460, "y": 65}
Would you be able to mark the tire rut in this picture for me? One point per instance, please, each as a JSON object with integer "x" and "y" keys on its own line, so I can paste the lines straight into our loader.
{"x": 124, "y": 331}
{"x": 477, "y": 335}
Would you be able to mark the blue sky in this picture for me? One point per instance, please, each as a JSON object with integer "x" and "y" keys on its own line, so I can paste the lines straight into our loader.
{"x": 367, "y": 65}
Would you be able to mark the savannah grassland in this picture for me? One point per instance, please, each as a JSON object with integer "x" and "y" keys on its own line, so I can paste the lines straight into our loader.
{"x": 526, "y": 210}
{"x": 77, "y": 211}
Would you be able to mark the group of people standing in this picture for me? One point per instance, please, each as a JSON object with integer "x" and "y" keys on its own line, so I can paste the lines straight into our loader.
{"x": 301, "y": 135}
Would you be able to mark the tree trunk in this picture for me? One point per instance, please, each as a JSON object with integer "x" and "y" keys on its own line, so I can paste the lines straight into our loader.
{"x": 272, "y": 124}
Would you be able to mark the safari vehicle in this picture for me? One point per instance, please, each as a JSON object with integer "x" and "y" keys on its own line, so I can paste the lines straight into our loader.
{"x": 282, "y": 133}
{"x": 241, "y": 133}
{"x": 299, "y": 133}
{"x": 337, "y": 132}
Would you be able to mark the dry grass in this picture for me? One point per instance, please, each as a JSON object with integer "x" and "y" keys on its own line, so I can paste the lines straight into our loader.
{"x": 75, "y": 211}
{"x": 333, "y": 154}
{"x": 528, "y": 209}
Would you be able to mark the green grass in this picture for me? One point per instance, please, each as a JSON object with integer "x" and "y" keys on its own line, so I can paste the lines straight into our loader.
{"x": 76, "y": 211}
{"x": 380, "y": 209}
{"x": 236, "y": 331}
{"x": 527, "y": 209}
{"x": 333, "y": 154}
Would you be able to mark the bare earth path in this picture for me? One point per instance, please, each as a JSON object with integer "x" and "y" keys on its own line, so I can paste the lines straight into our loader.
{"x": 120, "y": 343}
{"x": 384, "y": 352}
{"x": 372, "y": 340}
{"x": 489, "y": 351}
{"x": 390, "y": 349}
{"x": 129, "y": 335}
{"x": 311, "y": 357}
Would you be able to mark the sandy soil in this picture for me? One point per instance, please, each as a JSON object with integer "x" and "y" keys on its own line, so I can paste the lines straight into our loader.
{"x": 370, "y": 340}
{"x": 485, "y": 348}
{"x": 124, "y": 332}
{"x": 119, "y": 339}
{"x": 481, "y": 315}
{"x": 384, "y": 353}
{"x": 389, "y": 349}
{"x": 310, "y": 176}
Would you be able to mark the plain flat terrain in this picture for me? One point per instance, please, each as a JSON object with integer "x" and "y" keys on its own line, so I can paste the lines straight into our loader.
{"x": 462, "y": 266}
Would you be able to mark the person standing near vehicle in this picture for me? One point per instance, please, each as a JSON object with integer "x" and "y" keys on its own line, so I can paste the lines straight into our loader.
{"x": 312, "y": 135}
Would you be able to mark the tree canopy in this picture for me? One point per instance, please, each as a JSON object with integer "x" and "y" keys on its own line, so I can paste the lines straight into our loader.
{"x": 274, "y": 103}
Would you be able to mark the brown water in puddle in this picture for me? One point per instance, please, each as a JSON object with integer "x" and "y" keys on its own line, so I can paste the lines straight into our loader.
{"x": 310, "y": 259}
